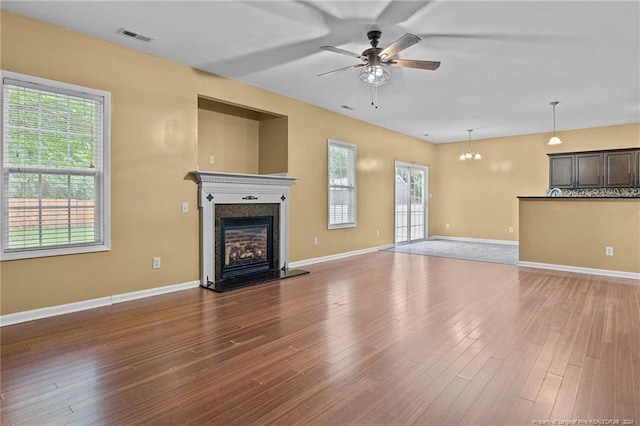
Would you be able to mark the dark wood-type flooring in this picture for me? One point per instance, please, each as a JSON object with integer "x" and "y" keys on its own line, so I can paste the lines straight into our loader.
{"x": 381, "y": 338}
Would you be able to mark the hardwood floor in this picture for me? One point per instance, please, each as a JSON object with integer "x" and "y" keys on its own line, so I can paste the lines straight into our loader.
{"x": 381, "y": 338}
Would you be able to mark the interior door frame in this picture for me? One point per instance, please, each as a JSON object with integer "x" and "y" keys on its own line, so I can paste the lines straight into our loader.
{"x": 425, "y": 198}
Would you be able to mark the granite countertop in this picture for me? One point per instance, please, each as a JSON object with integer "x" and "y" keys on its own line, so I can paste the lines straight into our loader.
{"x": 596, "y": 193}
{"x": 584, "y": 197}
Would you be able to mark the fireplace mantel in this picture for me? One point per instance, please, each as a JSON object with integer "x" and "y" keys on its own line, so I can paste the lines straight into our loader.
{"x": 242, "y": 179}
{"x": 237, "y": 188}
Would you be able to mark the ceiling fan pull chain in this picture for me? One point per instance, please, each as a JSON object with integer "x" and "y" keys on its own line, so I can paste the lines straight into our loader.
{"x": 374, "y": 96}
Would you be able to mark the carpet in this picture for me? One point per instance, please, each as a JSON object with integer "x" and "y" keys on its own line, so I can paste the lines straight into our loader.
{"x": 482, "y": 252}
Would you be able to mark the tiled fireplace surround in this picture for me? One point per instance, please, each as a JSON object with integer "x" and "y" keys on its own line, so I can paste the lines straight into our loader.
{"x": 232, "y": 193}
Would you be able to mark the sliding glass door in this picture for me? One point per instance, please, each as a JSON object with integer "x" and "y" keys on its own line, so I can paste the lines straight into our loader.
{"x": 410, "y": 202}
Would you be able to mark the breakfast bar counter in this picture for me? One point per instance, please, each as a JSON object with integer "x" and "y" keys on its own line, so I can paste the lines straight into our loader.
{"x": 576, "y": 232}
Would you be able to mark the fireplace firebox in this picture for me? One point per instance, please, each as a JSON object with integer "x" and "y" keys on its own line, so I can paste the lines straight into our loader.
{"x": 247, "y": 245}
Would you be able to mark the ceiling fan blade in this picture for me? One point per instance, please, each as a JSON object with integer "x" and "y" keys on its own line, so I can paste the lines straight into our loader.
{"x": 493, "y": 36}
{"x": 410, "y": 63}
{"x": 398, "y": 12}
{"x": 399, "y": 45}
{"x": 342, "y": 51}
{"x": 341, "y": 69}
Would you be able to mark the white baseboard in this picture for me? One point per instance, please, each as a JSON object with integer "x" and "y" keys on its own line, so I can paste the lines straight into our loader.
{"x": 68, "y": 308}
{"x": 474, "y": 240}
{"x": 337, "y": 256}
{"x": 581, "y": 270}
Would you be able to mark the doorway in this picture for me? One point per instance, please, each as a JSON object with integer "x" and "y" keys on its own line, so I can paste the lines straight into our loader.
{"x": 411, "y": 183}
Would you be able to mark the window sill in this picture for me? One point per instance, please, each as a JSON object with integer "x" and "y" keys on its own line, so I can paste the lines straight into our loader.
{"x": 342, "y": 226}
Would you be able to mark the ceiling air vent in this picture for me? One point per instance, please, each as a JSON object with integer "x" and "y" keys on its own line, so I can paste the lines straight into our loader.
{"x": 132, "y": 34}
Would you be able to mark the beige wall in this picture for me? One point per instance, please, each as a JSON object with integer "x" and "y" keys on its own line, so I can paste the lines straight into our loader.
{"x": 478, "y": 199}
{"x": 376, "y": 150}
{"x": 155, "y": 144}
{"x": 575, "y": 232}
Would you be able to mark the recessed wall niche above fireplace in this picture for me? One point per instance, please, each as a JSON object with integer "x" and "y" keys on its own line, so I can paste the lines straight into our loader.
{"x": 243, "y": 229}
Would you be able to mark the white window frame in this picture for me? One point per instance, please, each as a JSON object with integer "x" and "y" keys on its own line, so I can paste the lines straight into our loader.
{"x": 103, "y": 204}
{"x": 351, "y": 184}
{"x": 425, "y": 201}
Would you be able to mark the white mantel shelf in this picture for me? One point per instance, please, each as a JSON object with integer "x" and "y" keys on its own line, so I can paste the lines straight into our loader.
{"x": 243, "y": 178}
{"x": 238, "y": 188}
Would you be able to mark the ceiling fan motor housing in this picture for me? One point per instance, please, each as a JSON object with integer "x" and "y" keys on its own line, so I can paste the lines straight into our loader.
{"x": 373, "y": 55}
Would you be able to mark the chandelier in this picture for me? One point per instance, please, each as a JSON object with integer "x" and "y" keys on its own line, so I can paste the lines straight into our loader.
{"x": 374, "y": 75}
{"x": 469, "y": 154}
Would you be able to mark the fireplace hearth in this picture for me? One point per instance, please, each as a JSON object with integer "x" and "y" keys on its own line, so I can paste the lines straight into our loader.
{"x": 244, "y": 229}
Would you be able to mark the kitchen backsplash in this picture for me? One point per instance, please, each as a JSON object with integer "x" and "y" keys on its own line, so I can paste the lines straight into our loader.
{"x": 595, "y": 192}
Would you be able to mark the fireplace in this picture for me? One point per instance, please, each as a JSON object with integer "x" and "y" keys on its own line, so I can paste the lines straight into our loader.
{"x": 246, "y": 246}
{"x": 243, "y": 229}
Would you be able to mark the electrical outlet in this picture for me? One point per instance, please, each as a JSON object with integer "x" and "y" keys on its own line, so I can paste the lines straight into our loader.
{"x": 315, "y": 241}
{"x": 377, "y": 233}
{"x": 608, "y": 251}
{"x": 511, "y": 229}
{"x": 156, "y": 263}
{"x": 446, "y": 226}
{"x": 212, "y": 159}
{"x": 185, "y": 207}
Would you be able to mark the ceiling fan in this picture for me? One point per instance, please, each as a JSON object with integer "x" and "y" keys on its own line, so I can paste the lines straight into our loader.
{"x": 376, "y": 56}
{"x": 376, "y": 60}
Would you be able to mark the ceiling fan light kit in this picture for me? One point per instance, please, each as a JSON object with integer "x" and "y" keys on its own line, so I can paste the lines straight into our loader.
{"x": 469, "y": 154}
{"x": 375, "y": 75}
{"x": 377, "y": 61}
{"x": 554, "y": 139}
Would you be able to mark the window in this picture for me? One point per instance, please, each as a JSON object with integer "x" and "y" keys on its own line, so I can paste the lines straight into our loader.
{"x": 55, "y": 158}
{"x": 342, "y": 185}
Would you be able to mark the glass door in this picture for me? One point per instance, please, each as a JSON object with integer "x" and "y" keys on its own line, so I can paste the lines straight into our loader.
{"x": 410, "y": 202}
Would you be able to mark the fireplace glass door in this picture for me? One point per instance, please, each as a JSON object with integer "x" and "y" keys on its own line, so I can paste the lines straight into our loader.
{"x": 248, "y": 245}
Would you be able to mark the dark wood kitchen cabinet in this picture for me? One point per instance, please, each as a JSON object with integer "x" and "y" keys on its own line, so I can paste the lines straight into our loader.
{"x": 621, "y": 169}
{"x": 617, "y": 168}
{"x": 584, "y": 170}
{"x": 561, "y": 171}
{"x": 589, "y": 170}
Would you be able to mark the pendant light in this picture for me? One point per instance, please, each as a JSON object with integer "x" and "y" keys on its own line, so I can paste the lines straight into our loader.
{"x": 554, "y": 139}
{"x": 469, "y": 154}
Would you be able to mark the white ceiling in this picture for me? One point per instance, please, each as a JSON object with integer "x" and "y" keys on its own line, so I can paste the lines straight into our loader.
{"x": 502, "y": 61}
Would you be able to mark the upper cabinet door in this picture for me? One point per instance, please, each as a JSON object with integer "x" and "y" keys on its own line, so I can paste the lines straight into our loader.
{"x": 589, "y": 170}
{"x": 619, "y": 169}
{"x": 561, "y": 171}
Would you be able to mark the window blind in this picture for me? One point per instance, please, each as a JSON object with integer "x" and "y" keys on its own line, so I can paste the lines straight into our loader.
{"x": 342, "y": 184}
{"x": 52, "y": 167}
